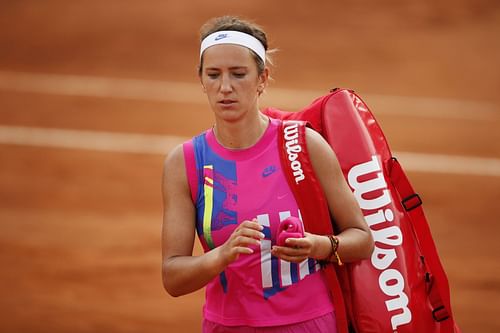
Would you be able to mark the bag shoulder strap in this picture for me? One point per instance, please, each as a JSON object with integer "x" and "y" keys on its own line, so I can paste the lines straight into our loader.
{"x": 300, "y": 175}
{"x": 311, "y": 200}
{"x": 436, "y": 280}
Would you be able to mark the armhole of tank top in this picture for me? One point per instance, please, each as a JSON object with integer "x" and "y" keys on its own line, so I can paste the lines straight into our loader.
{"x": 190, "y": 161}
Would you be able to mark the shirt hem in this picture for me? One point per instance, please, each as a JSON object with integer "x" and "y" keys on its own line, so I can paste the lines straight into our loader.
{"x": 265, "y": 323}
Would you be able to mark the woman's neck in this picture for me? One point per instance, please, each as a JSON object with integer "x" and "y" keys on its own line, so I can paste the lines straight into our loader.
{"x": 241, "y": 134}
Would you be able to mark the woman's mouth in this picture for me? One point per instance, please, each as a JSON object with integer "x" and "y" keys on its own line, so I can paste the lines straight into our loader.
{"x": 227, "y": 102}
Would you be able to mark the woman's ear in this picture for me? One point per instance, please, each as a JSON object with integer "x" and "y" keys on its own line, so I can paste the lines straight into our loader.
{"x": 202, "y": 85}
{"x": 263, "y": 80}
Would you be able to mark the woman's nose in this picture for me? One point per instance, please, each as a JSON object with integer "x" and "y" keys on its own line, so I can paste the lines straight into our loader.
{"x": 225, "y": 85}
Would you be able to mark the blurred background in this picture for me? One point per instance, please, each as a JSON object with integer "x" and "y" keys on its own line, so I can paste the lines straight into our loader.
{"x": 95, "y": 93}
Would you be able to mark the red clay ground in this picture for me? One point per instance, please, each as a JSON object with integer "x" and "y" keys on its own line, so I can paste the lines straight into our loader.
{"x": 80, "y": 229}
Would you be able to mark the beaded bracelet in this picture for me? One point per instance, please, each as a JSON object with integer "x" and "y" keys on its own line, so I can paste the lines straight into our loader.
{"x": 334, "y": 241}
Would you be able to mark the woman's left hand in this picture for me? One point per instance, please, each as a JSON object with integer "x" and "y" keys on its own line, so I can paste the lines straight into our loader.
{"x": 296, "y": 249}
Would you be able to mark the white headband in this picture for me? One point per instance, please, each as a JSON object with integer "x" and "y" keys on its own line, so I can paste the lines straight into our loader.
{"x": 234, "y": 37}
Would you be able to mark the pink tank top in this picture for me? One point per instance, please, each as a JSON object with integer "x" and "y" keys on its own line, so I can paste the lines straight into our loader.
{"x": 228, "y": 187}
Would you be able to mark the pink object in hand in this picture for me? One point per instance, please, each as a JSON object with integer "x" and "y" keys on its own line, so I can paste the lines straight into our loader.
{"x": 291, "y": 227}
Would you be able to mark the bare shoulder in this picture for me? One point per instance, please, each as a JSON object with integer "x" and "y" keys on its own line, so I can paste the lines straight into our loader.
{"x": 323, "y": 159}
{"x": 175, "y": 158}
{"x": 319, "y": 150}
{"x": 174, "y": 173}
{"x": 315, "y": 140}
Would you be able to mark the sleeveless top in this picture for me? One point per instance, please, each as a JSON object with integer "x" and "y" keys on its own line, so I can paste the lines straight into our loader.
{"x": 229, "y": 186}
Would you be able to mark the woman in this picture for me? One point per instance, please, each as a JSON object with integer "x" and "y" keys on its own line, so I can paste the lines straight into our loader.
{"x": 227, "y": 184}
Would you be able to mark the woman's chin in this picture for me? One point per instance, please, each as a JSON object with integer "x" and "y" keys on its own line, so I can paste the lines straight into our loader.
{"x": 229, "y": 114}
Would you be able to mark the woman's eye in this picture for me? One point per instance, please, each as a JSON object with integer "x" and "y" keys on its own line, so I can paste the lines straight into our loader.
{"x": 213, "y": 75}
{"x": 239, "y": 75}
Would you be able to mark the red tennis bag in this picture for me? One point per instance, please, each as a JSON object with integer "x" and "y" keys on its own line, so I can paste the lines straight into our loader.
{"x": 403, "y": 287}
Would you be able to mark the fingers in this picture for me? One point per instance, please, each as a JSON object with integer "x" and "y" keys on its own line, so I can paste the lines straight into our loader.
{"x": 296, "y": 249}
{"x": 244, "y": 239}
{"x": 291, "y": 254}
{"x": 248, "y": 233}
{"x": 251, "y": 225}
{"x": 298, "y": 242}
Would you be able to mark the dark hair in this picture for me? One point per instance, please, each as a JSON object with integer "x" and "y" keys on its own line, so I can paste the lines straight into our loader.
{"x": 234, "y": 23}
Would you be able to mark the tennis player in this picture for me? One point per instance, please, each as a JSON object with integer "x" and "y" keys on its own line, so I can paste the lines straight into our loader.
{"x": 227, "y": 185}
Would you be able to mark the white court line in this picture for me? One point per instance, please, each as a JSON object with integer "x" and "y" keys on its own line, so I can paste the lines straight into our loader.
{"x": 289, "y": 99}
{"x": 93, "y": 86}
{"x": 88, "y": 140}
{"x": 449, "y": 164}
{"x": 161, "y": 145}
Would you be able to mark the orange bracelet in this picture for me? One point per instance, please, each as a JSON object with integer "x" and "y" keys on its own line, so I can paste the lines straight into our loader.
{"x": 334, "y": 241}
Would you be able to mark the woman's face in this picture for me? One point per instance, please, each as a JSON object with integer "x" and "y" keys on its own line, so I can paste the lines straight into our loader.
{"x": 231, "y": 81}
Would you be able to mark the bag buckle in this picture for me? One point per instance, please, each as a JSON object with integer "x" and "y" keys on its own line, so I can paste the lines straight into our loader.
{"x": 411, "y": 202}
{"x": 440, "y": 313}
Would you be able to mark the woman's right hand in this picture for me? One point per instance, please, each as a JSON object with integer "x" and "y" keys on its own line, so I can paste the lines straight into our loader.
{"x": 242, "y": 241}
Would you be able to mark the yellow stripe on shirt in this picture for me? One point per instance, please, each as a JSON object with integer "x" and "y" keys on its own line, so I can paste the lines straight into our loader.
{"x": 208, "y": 191}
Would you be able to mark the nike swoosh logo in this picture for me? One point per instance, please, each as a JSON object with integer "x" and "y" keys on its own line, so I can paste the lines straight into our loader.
{"x": 268, "y": 171}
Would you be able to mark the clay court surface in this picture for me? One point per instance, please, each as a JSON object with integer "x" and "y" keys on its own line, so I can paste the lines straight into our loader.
{"x": 94, "y": 94}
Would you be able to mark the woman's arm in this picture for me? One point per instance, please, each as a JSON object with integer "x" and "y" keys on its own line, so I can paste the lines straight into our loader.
{"x": 182, "y": 272}
{"x": 355, "y": 238}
